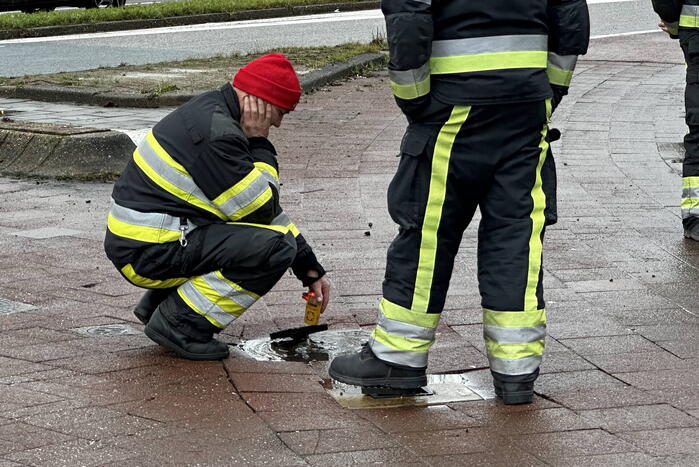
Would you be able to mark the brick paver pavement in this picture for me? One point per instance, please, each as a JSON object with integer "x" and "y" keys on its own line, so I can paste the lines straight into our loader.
{"x": 621, "y": 373}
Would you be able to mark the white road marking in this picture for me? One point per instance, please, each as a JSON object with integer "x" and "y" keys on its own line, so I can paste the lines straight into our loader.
{"x": 590, "y": 2}
{"x": 648, "y": 31}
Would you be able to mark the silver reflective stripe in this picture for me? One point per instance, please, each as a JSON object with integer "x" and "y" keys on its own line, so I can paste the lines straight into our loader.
{"x": 490, "y": 44}
{"x": 412, "y": 359}
{"x": 249, "y": 194}
{"x": 514, "y": 335}
{"x": 225, "y": 290}
{"x": 692, "y": 192}
{"x": 281, "y": 220}
{"x": 271, "y": 179}
{"x": 148, "y": 219}
{"x": 691, "y": 212}
{"x": 414, "y": 76}
{"x": 519, "y": 366}
{"x": 205, "y": 306}
{"x": 564, "y": 62}
{"x": 690, "y": 10}
{"x": 181, "y": 181}
{"x": 426, "y": 2}
{"x": 401, "y": 329}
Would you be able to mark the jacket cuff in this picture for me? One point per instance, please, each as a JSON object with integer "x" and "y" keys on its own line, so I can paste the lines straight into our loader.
{"x": 304, "y": 263}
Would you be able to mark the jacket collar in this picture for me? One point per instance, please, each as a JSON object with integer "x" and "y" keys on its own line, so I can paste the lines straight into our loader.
{"x": 231, "y": 99}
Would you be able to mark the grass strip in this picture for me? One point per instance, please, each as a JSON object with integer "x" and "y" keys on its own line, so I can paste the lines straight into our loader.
{"x": 144, "y": 12}
{"x": 191, "y": 75}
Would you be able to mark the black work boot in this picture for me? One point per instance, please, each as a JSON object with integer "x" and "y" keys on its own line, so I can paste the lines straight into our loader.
{"x": 365, "y": 369}
{"x": 162, "y": 332}
{"x": 691, "y": 228}
{"x": 149, "y": 302}
{"x": 514, "y": 393}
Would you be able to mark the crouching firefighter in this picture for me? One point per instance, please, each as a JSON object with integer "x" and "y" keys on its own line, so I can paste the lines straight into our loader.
{"x": 195, "y": 216}
{"x": 475, "y": 80}
{"x": 680, "y": 19}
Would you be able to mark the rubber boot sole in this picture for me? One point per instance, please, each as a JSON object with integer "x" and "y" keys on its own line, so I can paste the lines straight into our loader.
{"x": 168, "y": 344}
{"x": 514, "y": 397}
{"x": 691, "y": 236}
{"x": 413, "y": 382}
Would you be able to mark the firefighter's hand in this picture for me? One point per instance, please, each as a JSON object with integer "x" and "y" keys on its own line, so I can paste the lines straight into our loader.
{"x": 256, "y": 116}
{"x": 321, "y": 288}
{"x": 669, "y": 28}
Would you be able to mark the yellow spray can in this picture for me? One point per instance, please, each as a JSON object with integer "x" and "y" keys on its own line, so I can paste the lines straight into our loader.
{"x": 313, "y": 307}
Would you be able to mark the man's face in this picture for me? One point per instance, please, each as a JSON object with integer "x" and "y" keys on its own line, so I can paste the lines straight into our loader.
{"x": 277, "y": 115}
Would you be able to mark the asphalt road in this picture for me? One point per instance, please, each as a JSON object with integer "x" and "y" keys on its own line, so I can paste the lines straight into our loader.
{"x": 87, "y": 51}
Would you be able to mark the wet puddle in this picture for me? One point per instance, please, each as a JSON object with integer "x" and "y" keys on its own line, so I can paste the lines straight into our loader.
{"x": 324, "y": 346}
{"x": 318, "y": 347}
{"x": 107, "y": 330}
{"x": 440, "y": 389}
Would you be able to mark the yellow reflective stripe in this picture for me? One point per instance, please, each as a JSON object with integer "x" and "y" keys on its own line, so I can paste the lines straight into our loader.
{"x": 139, "y": 232}
{"x": 433, "y": 211}
{"x": 225, "y": 303}
{"x": 398, "y": 313}
{"x": 235, "y": 286}
{"x": 514, "y": 319}
{"x": 531, "y": 302}
{"x": 514, "y": 351}
{"x": 197, "y": 310}
{"x": 277, "y": 228}
{"x": 172, "y": 189}
{"x": 690, "y": 182}
{"x": 688, "y": 203}
{"x": 411, "y": 91}
{"x": 559, "y": 76}
{"x": 404, "y": 344}
{"x": 294, "y": 230}
{"x": 263, "y": 166}
{"x": 162, "y": 153}
{"x": 488, "y": 61}
{"x": 238, "y": 187}
{"x": 689, "y": 21}
{"x": 130, "y": 274}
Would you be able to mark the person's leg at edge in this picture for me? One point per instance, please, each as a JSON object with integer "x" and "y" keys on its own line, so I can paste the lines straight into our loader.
{"x": 689, "y": 39}
{"x": 510, "y": 255}
{"x": 229, "y": 268}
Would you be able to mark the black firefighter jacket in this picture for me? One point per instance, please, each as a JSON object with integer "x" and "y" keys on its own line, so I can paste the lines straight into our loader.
{"x": 471, "y": 52}
{"x": 197, "y": 167}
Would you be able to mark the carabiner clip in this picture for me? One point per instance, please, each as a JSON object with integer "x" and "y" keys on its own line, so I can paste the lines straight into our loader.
{"x": 183, "y": 232}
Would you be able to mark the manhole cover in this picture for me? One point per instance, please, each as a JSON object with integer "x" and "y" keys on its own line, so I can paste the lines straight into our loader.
{"x": 107, "y": 330}
{"x": 440, "y": 389}
{"x": 321, "y": 346}
{"x": 7, "y": 307}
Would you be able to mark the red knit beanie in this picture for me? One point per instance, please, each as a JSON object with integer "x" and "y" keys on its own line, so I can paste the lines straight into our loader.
{"x": 271, "y": 78}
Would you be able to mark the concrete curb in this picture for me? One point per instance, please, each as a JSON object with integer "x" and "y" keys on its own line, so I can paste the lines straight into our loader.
{"x": 309, "y": 82}
{"x": 184, "y": 20}
{"x": 46, "y": 150}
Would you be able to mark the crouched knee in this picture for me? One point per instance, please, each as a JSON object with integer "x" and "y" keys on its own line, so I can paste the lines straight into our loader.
{"x": 282, "y": 253}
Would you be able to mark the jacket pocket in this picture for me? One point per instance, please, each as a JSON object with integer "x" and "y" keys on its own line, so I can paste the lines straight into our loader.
{"x": 408, "y": 190}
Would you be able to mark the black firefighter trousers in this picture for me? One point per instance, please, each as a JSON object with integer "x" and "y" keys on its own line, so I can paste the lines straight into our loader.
{"x": 689, "y": 41}
{"x": 220, "y": 273}
{"x": 453, "y": 160}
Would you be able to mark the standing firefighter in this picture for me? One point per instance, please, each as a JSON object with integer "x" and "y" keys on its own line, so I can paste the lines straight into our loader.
{"x": 196, "y": 218}
{"x": 681, "y": 18}
{"x": 475, "y": 80}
